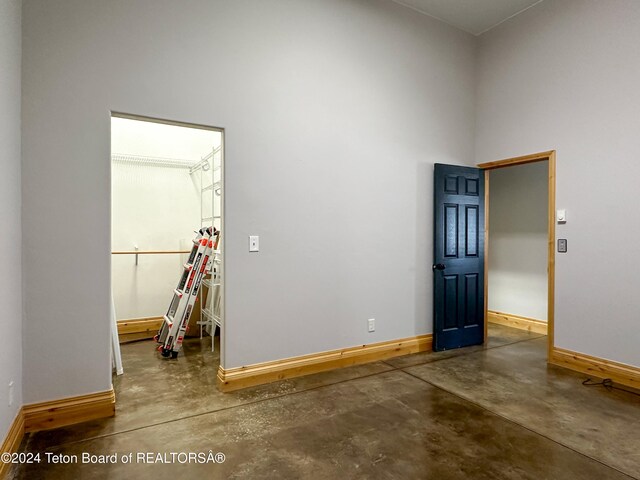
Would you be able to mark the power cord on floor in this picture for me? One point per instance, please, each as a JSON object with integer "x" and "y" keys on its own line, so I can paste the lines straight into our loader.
{"x": 608, "y": 384}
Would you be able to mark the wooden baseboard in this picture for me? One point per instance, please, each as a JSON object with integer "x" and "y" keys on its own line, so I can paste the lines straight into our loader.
{"x": 598, "y": 367}
{"x": 12, "y": 441}
{"x": 69, "y": 411}
{"x": 261, "y": 373}
{"x": 149, "y": 325}
{"x": 516, "y": 321}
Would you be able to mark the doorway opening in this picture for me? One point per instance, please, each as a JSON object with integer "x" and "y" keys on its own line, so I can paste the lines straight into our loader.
{"x": 520, "y": 244}
{"x": 167, "y": 184}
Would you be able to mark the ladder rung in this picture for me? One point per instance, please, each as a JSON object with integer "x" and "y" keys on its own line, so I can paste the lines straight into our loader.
{"x": 178, "y": 292}
{"x": 212, "y": 316}
{"x": 169, "y": 320}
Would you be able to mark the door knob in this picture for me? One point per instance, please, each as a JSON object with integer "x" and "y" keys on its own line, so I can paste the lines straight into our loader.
{"x": 439, "y": 266}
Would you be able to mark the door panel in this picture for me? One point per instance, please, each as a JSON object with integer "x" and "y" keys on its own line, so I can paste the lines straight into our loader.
{"x": 450, "y": 301}
{"x": 451, "y": 225}
{"x": 471, "y": 299}
{"x": 458, "y": 257}
{"x": 471, "y": 233}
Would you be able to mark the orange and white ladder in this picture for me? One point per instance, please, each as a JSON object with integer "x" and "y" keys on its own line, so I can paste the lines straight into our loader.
{"x": 198, "y": 265}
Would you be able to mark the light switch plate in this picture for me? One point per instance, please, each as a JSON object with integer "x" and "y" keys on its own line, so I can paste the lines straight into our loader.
{"x": 254, "y": 243}
{"x": 371, "y": 325}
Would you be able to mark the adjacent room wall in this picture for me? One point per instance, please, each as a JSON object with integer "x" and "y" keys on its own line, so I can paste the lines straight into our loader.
{"x": 334, "y": 111}
{"x": 565, "y": 75}
{"x": 10, "y": 212}
{"x": 518, "y": 240}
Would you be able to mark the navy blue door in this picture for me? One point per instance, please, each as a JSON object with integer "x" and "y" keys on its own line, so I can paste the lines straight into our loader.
{"x": 458, "y": 261}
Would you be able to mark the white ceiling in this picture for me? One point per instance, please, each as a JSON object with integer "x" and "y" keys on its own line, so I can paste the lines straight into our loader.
{"x": 473, "y": 16}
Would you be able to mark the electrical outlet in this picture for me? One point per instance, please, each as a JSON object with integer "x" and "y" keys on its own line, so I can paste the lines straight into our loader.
{"x": 372, "y": 325}
{"x": 11, "y": 393}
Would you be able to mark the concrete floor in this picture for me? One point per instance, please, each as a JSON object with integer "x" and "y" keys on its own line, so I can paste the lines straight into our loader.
{"x": 491, "y": 412}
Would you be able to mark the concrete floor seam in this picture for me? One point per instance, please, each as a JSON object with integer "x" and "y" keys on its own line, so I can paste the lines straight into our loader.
{"x": 519, "y": 424}
{"x": 464, "y": 354}
{"x": 223, "y": 409}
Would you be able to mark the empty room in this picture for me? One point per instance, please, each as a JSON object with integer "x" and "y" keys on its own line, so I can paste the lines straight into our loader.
{"x": 319, "y": 239}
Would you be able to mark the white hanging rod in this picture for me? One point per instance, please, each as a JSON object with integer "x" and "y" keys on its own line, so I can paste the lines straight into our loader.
{"x": 148, "y": 252}
{"x": 151, "y": 161}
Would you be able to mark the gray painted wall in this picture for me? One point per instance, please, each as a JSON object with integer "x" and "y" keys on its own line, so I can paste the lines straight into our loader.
{"x": 518, "y": 240}
{"x": 334, "y": 111}
{"x": 564, "y": 75}
{"x": 10, "y": 212}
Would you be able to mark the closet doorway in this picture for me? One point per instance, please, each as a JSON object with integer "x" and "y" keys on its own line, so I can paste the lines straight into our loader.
{"x": 520, "y": 244}
{"x": 167, "y": 184}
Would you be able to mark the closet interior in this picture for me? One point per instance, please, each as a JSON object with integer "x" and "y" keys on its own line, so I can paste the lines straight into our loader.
{"x": 167, "y": 185}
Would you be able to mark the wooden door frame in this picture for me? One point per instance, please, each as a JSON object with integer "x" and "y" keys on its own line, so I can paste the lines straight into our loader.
{"x": 549, "y": 156}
